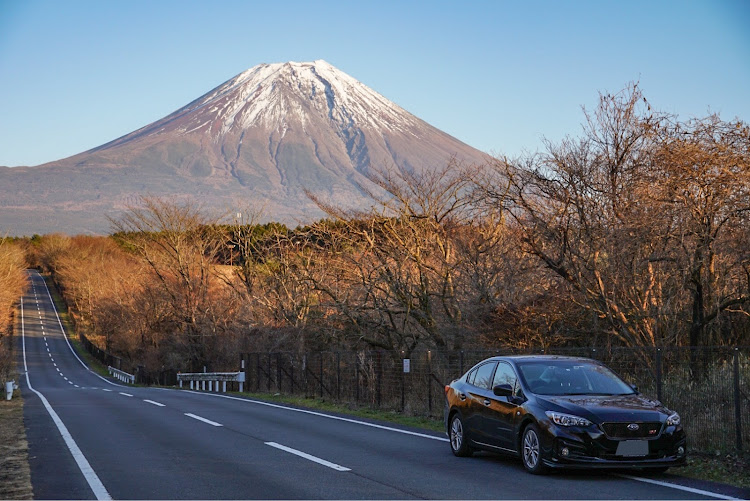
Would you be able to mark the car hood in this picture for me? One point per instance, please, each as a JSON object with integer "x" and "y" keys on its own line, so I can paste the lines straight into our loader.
{"x": 614, "y": 408}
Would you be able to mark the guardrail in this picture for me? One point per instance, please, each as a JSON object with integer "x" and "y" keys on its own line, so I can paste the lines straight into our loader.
{"x": 210, "y": 377}
{"x": 121, "y": 375}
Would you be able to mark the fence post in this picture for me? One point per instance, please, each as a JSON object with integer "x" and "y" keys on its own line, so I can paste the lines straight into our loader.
{"x": 429, "y": 382}
{"x": 257, "y": 372}
{"x": 291, "y": 372}
{"x": 242, "y": 384}
{"x": 278, "y": 371}
{"x": 338, "y": 375}
{"x": 403, "y": 390}
{"x": 658, "y": 374}
{"x": 379, "y": 376}
{"x": 356, "y": 378}
{"x": 737, "y": 400}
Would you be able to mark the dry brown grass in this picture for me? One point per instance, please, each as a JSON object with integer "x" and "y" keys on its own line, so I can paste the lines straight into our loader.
{"x": 15, "y": 475}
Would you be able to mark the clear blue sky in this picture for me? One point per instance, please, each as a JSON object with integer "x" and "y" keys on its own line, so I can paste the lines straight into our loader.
{"x": 499, "y": 75}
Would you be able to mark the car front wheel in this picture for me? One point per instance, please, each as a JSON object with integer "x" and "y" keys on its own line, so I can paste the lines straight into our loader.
{"x": 458, "y": 437}
{"x": 531, "y": 451}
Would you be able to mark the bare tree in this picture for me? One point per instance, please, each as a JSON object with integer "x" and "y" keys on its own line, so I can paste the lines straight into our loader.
{"x": 179, "y": 244}
{"x": 700, "y": 179}
{"x": 579, "y": 208}
{"x": 400, "y": 260}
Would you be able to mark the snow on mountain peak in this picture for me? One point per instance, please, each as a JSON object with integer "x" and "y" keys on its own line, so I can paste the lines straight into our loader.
{"x": 271, "y": 95}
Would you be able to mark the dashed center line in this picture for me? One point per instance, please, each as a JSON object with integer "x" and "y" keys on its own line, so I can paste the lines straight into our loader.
{"x": 105, "y": 389}
{"x": 207, "y": 421}
{"x": 126, "y": 394}
{"x": 158, "y": 404}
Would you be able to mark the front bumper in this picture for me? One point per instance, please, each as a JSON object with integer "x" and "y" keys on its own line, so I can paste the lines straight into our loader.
{"x": 591, "y": 448}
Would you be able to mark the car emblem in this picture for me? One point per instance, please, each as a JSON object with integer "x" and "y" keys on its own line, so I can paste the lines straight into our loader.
{"x": 633, "y": 426}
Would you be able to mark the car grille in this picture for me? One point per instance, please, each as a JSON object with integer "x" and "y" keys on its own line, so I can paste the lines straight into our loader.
{"x": 621, "y": 430}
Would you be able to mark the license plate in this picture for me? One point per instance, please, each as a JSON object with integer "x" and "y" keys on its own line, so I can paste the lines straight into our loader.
{"x": 630, "y": 448}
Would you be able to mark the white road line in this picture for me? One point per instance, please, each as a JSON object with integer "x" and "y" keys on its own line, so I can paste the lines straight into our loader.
{"x": 308, "y": 457}
{"x": 677, "y": 486}
{"x": 76, "y": 386}
{"x": 126, "y": 394}
{"x": 105, "y": 389}
{"x": 158, "y": 404}
{"x": 320, "y": 414}
{"x": 89, "y": 474}
{"x": 207, "y": 421}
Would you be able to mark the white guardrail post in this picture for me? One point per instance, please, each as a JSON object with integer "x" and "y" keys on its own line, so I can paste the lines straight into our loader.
{"x": 9, "y": 387}
{"x": 198, "y": 380}
{"x": 121, "y": 375}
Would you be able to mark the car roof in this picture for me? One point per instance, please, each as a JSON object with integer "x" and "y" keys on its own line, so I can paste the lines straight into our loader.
{"x": 540, "y": 358}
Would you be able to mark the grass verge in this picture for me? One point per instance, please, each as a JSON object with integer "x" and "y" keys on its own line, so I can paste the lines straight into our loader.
{"x": 15, "y": 474}
{"x": 732, "y": 469}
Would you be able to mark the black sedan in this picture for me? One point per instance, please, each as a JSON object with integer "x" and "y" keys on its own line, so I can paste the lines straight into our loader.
{"x": 560, "y": 412}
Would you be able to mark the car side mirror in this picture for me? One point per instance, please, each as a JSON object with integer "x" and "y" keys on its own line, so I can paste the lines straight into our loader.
{"x": 503, "y": 390}
{"x": 635, "y": 387}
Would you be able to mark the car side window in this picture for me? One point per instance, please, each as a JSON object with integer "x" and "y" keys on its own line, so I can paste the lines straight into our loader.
{"x": 483, "y": 376}
{"x": 506, "y": 375}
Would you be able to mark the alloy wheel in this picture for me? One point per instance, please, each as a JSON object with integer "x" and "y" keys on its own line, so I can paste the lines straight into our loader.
{"x": 531, "y": 449}
{"x": 457, "y": 434}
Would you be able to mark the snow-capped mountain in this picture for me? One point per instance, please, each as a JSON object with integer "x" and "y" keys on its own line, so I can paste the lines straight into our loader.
{"x": 260, "y": 139}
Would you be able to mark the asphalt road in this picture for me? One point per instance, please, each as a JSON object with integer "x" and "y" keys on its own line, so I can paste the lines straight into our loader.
{"x": 91, "y": 438}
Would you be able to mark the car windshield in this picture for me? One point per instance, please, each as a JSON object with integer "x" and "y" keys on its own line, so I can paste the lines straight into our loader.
{"x": 571, "y": 377}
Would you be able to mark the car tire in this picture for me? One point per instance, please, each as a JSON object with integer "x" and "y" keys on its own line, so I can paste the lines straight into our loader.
{"x": 531, "y": 450}
{"x": 457, "y": 437}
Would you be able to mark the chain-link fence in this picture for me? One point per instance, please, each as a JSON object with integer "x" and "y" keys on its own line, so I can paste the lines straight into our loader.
{"x": 709, "y": 387}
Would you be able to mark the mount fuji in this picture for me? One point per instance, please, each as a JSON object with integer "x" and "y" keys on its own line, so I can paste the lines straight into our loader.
{"x": 259, "y": 140}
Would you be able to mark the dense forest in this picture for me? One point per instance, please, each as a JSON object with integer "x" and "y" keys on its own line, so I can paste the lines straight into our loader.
{"x": 635, "y": 233}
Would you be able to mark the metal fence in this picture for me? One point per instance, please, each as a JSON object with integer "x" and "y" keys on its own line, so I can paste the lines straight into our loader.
{"x": 709, "y": 387}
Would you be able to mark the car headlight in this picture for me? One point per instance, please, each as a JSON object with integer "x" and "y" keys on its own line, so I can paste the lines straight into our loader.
{"x": 561, "y": 419}
{"x": 673, "y": 420}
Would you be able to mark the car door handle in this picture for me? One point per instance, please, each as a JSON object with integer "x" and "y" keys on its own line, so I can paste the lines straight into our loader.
{"x": 487, "y": 402}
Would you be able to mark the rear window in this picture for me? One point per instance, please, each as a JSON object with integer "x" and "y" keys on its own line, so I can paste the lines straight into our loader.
{"x": 483, "y": 377}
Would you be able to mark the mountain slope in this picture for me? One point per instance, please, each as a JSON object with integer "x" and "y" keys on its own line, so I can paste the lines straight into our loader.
{"x": 260, "y": 139}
